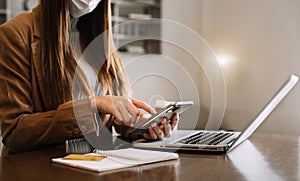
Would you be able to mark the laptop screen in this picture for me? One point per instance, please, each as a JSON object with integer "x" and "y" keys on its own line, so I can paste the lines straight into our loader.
{"x": 283, "y": 91}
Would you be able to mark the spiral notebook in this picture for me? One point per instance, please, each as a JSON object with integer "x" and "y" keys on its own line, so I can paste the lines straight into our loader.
{"x": 117, "y": 159}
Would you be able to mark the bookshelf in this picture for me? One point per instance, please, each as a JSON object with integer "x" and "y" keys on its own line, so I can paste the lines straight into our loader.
{"x": 125, "y": 12}
{"x": 126, "y": 28}
{"x": 5, "y": 10}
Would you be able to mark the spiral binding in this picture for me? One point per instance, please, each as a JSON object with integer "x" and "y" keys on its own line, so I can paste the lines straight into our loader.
{"x": 113, "y": 154}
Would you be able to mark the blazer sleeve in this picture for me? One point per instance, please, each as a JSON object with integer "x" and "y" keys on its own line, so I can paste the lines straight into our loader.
{"x": 22, "y": 127}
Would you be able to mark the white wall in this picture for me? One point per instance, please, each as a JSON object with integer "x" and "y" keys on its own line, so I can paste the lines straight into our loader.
{"x": 16, "y": 7}
{"x": 262, "y": 39}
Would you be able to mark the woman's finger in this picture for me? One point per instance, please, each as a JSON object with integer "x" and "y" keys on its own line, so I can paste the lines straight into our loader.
{"x": 152, "y": 134}
{"x": 166, "y": 127}
{"x": 143, "y": 105}
{"x": 159, "y": 133}
{"x": 125, "y": 115}
{"x": 133, "y": 111}
{"x": 174, "y": 120}
{"x": 118, "y": 114}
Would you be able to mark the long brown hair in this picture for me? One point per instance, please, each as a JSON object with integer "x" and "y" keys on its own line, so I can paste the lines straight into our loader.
{"x": 56, "y": 54}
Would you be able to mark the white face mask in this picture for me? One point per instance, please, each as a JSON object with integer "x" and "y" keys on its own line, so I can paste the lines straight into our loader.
{"x": 81, "y": 7}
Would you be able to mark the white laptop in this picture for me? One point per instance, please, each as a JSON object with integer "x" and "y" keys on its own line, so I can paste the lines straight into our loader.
{"x": 217, "y": 141}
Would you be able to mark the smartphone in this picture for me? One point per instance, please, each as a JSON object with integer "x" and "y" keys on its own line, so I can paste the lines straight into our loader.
{"x": 167, "y": 112}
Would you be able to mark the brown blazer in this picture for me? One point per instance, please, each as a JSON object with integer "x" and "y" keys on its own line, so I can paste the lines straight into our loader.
{"x": 27, "y": 122}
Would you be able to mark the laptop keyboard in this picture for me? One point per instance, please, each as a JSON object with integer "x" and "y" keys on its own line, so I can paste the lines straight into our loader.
{"x": 205, "y": 138}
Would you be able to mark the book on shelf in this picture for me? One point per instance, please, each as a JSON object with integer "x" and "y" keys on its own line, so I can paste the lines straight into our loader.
{"x": 139, "y": 16}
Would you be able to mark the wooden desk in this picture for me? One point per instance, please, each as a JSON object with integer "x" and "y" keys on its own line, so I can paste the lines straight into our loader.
{"x": 263, "y": 157}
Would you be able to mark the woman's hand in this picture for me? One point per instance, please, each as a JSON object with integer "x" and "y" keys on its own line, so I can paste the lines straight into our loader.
{"x": 158, "y": 132}
{"x": 124, "y": 109}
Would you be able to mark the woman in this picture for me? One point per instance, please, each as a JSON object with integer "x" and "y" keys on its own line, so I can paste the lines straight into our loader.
{"x": 38, "y": 59}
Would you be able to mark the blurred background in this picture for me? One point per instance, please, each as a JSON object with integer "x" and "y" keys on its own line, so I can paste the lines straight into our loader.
{"x": 256, "y": 44}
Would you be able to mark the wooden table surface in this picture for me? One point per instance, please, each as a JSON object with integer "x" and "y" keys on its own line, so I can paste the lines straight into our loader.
{"x": 262, "y": 157}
